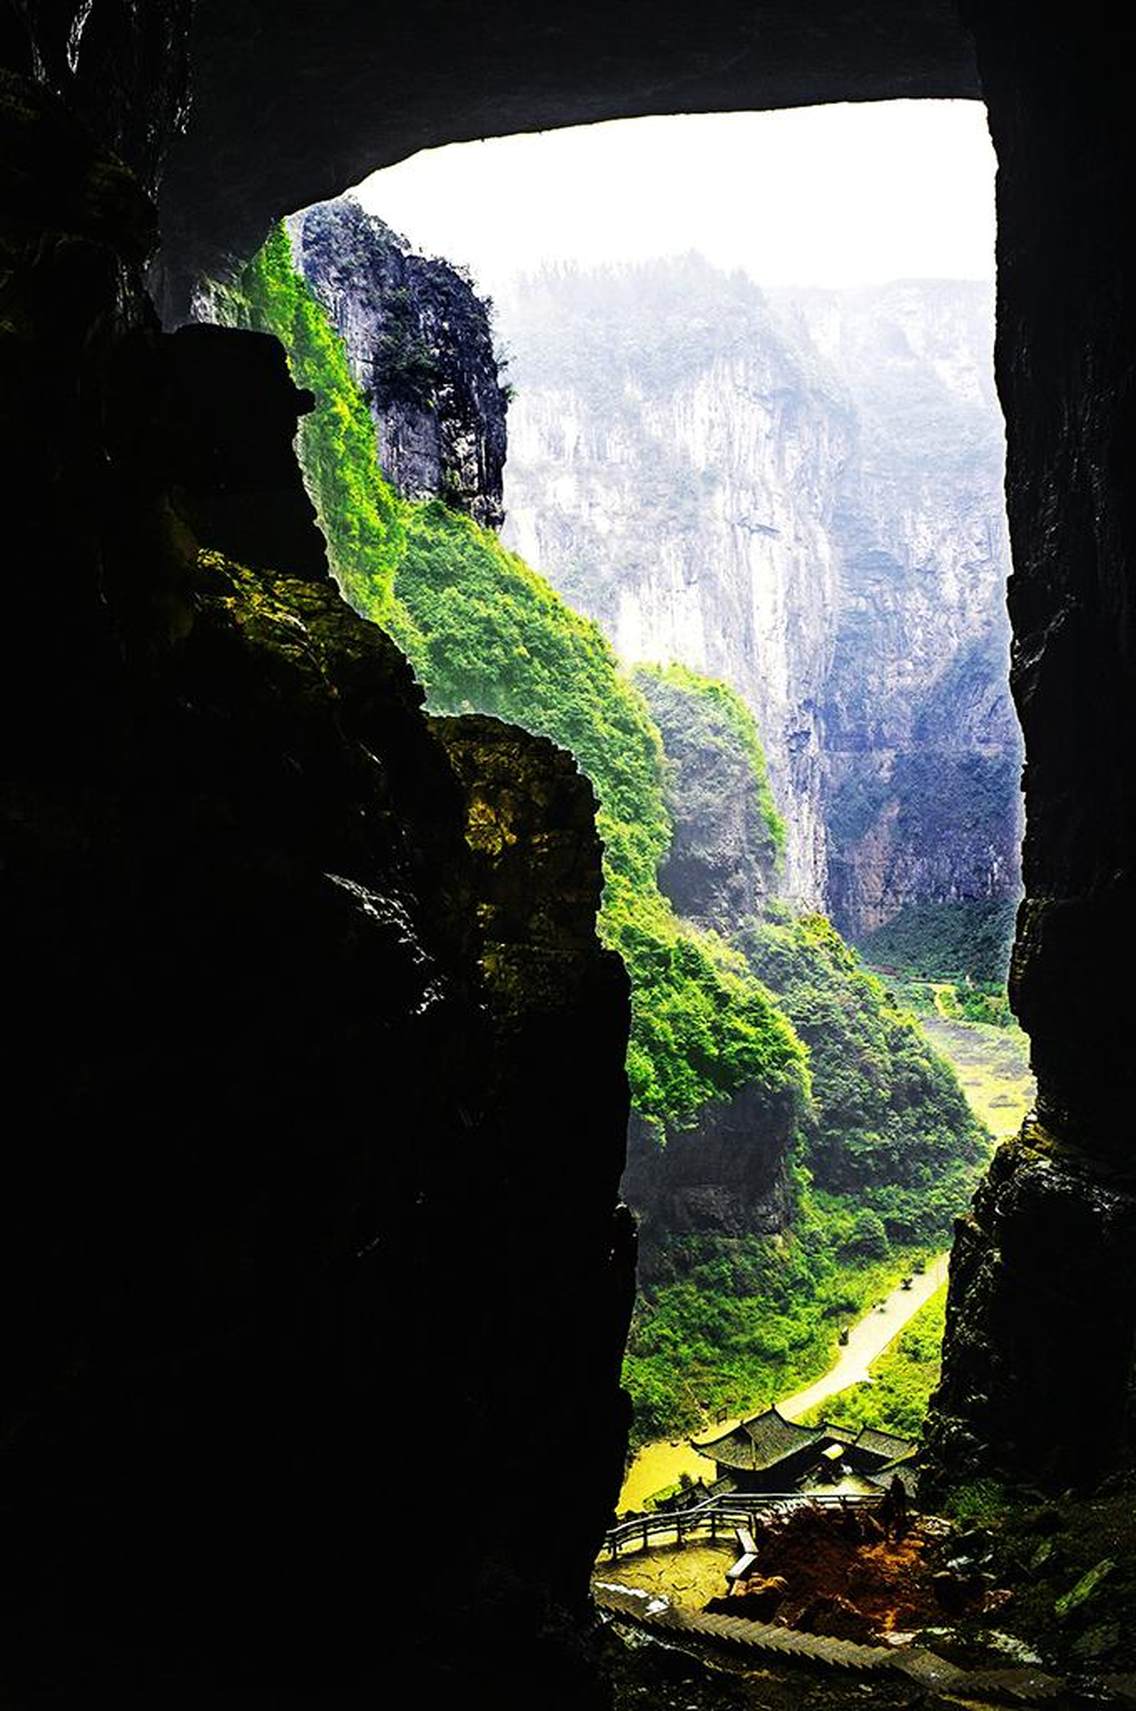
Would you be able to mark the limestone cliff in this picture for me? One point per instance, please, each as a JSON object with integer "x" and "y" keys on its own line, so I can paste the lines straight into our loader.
{"x": 420, "y": 346}
{"x": 799, "y": 493}
{"x": 673, "y": 469}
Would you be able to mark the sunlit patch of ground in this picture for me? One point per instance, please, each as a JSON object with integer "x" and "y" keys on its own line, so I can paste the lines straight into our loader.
{"x": 993, "y": 1066}
{"x": 686, "y": 1578}
{"x": 657, "y": 1467}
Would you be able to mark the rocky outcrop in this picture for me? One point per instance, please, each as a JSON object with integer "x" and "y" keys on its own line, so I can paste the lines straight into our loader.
{"x": 1042, "y": 1309}
{"x": 725, "y": 1177}
{"x": 800, "y": 494}
{"x": 723, "y": 858}
{"x": 274, "y": 1206}
{"x": 1034, "y": 1377}
{"x": 419, "y": 344}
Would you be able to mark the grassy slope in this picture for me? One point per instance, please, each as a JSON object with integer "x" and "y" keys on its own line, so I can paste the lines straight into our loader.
{"x": 902, "y": 1379}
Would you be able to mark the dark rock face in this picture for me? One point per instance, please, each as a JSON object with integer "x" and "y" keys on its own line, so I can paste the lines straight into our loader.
{"x": 1046, "y": 1236}
{"x": 276, "y": 1205}
{"x": 1042, "y": 1314}
{"x": 727, "y": 1177}
{"x": 419, "y": 343}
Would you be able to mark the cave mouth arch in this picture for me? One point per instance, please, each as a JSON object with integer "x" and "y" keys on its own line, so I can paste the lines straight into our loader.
{"x": 572, "y": 66}
{"x": 386, "y": 302}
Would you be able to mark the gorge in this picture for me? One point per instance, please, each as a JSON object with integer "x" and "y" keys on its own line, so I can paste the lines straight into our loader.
{"x": 800, "y": 492}
{"x": 763, "y": 1064}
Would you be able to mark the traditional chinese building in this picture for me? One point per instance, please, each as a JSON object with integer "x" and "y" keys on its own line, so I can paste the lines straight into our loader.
{"x": 769, "y": 1453}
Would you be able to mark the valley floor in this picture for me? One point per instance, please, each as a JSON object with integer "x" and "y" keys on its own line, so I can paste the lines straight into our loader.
{"x": 659, "y": 1465}
{"x": 992, "y": 1065}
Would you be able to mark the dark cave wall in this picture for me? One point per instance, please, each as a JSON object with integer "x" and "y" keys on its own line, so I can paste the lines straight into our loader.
{"x": 1042, "y": 1313}
{"x": 293, "y": 104}
{"x": 270, "y": 1206}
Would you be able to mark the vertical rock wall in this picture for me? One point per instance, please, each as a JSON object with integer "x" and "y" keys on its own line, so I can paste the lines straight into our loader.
{"x": 1041, "y": 1326}
{"x": 278, "y": 1246}
{"x": 419, "y": 344}
{"x": 801, "y": 493}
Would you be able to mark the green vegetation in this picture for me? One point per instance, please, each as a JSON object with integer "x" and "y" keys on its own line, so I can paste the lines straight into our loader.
{"x": 740, "y": 1323}
{"x": 484, "y": 632}
{"x": 704, "y": 714}
{"x": 967, "y": 943}
{"x": 885, "y": 1146}
{"x": 902, "y": 1379}
{"x": 889, "y": 1122}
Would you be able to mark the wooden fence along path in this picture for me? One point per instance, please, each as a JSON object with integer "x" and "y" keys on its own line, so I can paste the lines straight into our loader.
{"x": 738, "y": 1630}
{"x": 720, "y": 1514}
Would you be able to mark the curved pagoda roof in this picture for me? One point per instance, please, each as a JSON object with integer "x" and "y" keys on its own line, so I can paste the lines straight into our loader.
{"x": 754, "y": 1445}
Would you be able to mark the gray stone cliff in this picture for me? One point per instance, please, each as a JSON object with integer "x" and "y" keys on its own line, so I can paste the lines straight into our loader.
{"x": 420, "y": 346}
{"x": 799, "y": 492}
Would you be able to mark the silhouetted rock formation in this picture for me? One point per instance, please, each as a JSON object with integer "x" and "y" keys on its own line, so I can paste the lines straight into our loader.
{"x": 1042, "y": 1314}
{"x": 279, "y": 1223}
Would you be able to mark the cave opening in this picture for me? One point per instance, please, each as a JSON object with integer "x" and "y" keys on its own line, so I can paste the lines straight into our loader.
{"x": 722, "y": 388}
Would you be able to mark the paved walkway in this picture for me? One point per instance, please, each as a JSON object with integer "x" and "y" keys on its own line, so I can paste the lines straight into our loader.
{"x": 659, "y": 1465}
{"x": 868, "y": 1339}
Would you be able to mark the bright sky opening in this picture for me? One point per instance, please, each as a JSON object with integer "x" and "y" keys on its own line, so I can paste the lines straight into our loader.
{"x": 835, "y": 195}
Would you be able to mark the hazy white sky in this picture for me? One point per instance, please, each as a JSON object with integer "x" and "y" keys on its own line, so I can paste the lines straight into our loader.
{"x": 838, "y": 195}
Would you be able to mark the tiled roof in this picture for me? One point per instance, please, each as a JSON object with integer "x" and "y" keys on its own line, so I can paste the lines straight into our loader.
{"x": 883, "y": 1444}
{"x": 761, "y": 1442}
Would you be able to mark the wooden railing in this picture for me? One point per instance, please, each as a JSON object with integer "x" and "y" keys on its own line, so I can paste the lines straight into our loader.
{"x": 721, "y": 1514}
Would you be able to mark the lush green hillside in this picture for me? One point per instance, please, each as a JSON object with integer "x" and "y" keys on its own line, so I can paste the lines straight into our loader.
{"x": 706, "y": 714}
{"x": 741, "y": 1323}
{"x": 968, "y": 941}
{"x": 484, "y": 632}
{"x": 889, "y": 1123}
{"x": 902, "y": 1379}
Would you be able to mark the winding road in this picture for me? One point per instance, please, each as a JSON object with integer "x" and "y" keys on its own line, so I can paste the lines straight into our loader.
{"x": 659, "y": 1465}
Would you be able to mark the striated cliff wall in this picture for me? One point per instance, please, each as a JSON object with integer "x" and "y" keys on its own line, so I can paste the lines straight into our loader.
{"x": 800, "y": 493}
{"x": 673, "y": 468}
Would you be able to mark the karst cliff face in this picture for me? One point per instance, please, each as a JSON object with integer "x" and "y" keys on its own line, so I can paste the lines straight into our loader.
{"x": 419, "y": 344}
{"x": 802, "y": 495}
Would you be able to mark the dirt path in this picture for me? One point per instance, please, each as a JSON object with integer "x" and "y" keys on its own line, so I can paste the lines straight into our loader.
{"x": 868, "y": 1339}
{"x": 658, "y": 1465}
